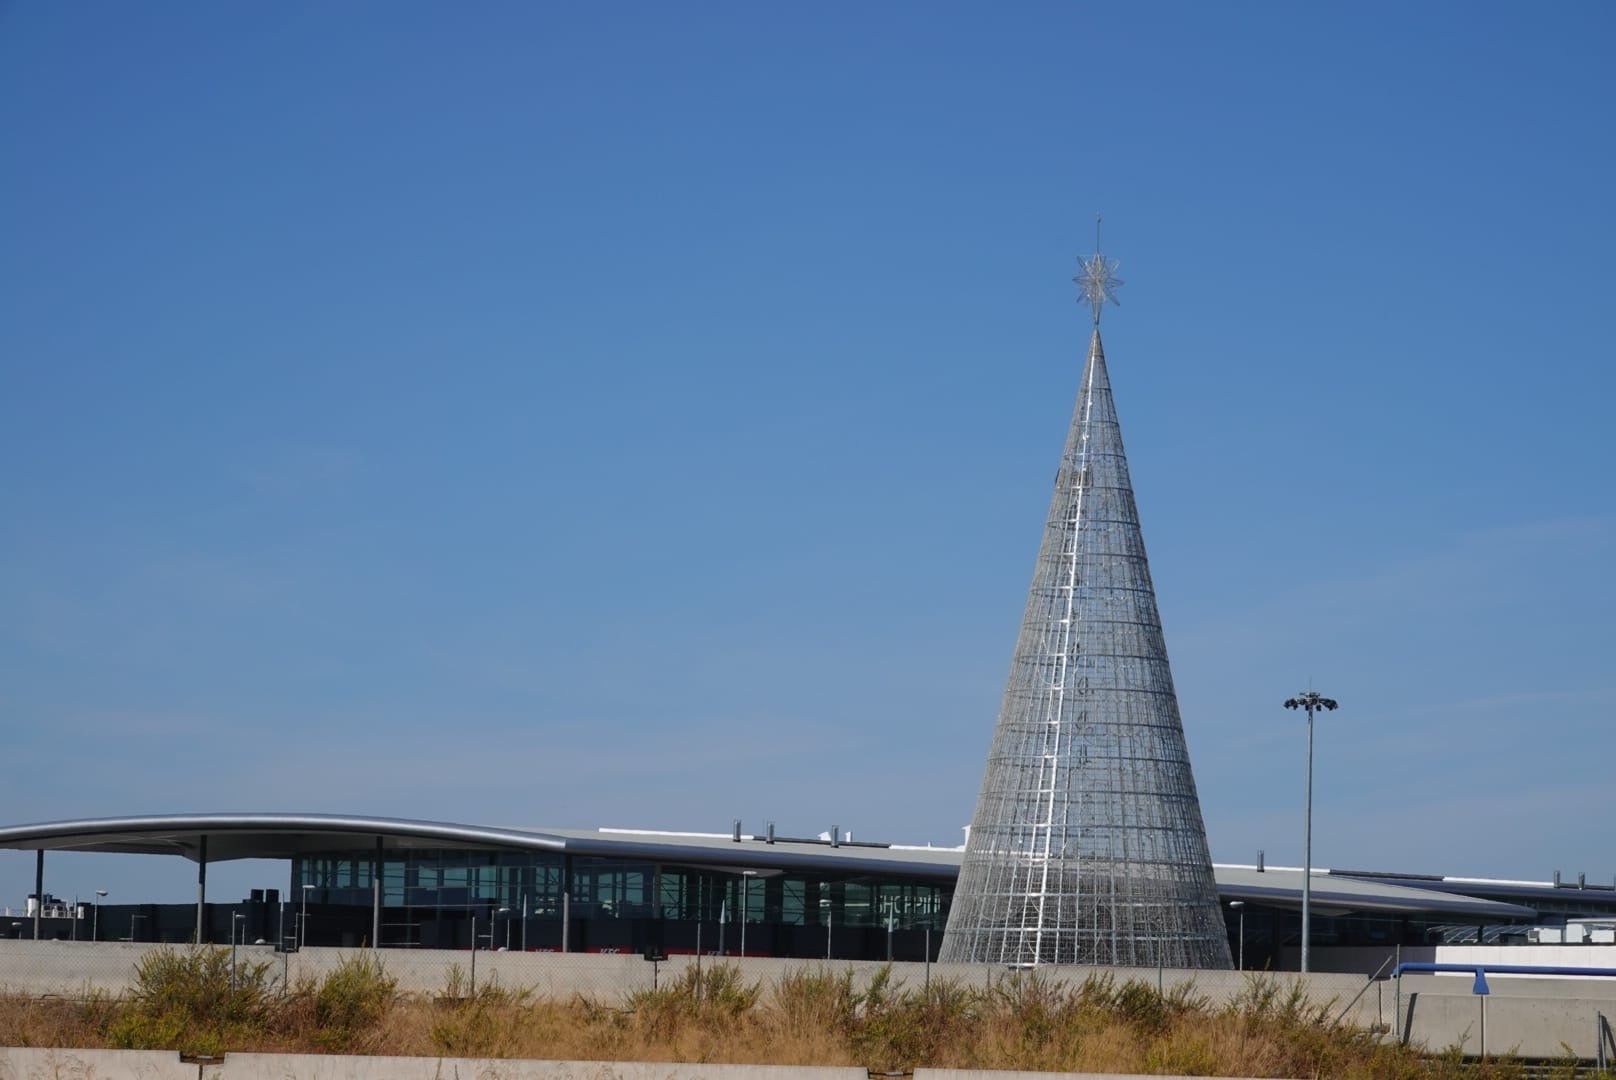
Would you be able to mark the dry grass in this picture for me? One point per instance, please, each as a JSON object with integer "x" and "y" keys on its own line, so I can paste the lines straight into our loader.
{"x": 185, "y": 1000}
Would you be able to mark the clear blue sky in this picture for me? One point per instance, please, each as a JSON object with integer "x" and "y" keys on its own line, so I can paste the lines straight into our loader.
{"x": 644, "y": 414}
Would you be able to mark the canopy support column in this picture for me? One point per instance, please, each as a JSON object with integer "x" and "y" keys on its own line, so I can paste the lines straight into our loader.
{"x": 201, "y": 886}
{"x": 39, "y": 889}
{"x": 376, "y": 897}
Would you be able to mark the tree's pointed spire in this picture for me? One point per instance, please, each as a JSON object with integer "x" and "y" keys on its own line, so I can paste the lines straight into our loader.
{"x": 1087, "y": 845}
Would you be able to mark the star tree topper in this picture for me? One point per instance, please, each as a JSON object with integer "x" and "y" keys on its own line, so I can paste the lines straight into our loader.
{"x": 1097, "y": 277}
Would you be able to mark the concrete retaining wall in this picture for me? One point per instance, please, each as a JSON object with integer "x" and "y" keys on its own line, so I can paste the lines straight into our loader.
{"x": 1533, "y": 1017}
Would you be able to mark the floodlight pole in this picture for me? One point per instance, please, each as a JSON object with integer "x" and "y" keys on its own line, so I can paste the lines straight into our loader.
{"x": 1311, "y": 701}
{"x": 95, "y": 916}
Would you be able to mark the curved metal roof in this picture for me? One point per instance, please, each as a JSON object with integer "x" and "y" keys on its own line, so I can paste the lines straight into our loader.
{"x": 282, "y": 836}
{"x": 1331, "y": 893}
{"x": 258, "y": 836}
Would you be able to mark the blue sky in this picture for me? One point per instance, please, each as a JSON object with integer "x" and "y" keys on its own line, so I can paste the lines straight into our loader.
{"x": 644, "y": 414}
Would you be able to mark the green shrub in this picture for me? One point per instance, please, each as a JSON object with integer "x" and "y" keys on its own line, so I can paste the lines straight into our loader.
{"x": 1037, "y": 1008}
{"x": 351, "y": 999}
{"x": 899, "y": 1029}
{"x": 713, "y": 997}
{"x": 1142, "y": 1007}
{"x": 191, "y": 1001}
{"x": 814, "y": 999}
{"x": 484, "y": 1023}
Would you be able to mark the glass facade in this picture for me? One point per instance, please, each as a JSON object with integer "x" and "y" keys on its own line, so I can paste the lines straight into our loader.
{"x": 446, "y": 880}
{"x": 441, "y": 898}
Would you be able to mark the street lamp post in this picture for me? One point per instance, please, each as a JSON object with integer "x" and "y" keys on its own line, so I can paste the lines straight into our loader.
{"x": 236, "y": 919}
{"x": 95, "y": 916}
{"x": 1240, "y": 908}
{"x": 303, "y": 920}
{"x": 505, "y": 911}
{"x": 1311, "y": 701}
{"x": 824, "y": 905}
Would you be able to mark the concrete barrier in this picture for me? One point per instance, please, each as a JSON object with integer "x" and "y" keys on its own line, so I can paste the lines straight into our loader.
{"x": 340, "y": 1067}
{"x": 1001, "y": 1074}
{"x": 41, "y": 1064}
{"x": 33, "y": 1063}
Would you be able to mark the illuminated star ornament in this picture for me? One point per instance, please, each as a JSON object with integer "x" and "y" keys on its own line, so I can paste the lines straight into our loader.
{"x": 1097, "y": 277}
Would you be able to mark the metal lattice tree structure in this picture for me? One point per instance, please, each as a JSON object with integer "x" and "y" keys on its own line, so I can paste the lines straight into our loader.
{"x": 1087, "y": 846}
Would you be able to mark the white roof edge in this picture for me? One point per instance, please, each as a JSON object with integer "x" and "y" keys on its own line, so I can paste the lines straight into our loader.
{"x": 674, "y": 832}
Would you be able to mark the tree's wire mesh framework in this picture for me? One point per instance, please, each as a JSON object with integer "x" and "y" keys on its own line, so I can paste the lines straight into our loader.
{"x": 1087, "y": 846}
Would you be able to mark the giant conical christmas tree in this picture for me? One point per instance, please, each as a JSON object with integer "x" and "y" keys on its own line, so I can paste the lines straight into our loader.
{"x": 1087, "y": 846}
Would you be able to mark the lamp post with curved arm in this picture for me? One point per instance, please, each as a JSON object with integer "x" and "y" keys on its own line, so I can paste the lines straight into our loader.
{"x": 1311, "y": 701}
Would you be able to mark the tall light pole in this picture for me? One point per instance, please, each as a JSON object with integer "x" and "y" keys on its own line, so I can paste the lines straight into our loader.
{"x": 303, "y": 920}
{"x": 95, "y": 917}
{"x": 236, "y": 919}
{"x": 1312, "y": 702}
{"x": 824, "y": 905}
{"x": 892, "y": 909}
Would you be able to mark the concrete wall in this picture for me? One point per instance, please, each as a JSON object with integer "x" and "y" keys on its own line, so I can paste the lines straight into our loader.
{"x": 43, "y": 1064}
{"x": 1537, "y": 1016}
{"x": 33, "y": 1064}
{"x": 63, "y": 967}
{"x": 1529, "y": 1016}
{"x": 68, "y": 967}
{"x": 1000, "y": 1074}
{"x": 1369, "y": 960}
{"x": 1578, "y": 956}
{"x": 340, "y": 1067}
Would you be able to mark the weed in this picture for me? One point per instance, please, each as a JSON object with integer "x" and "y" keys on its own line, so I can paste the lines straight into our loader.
{"x": 193, "y": 1001}
{"x": 350, "y": 1002}
{"x": 813, "y": 1015}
